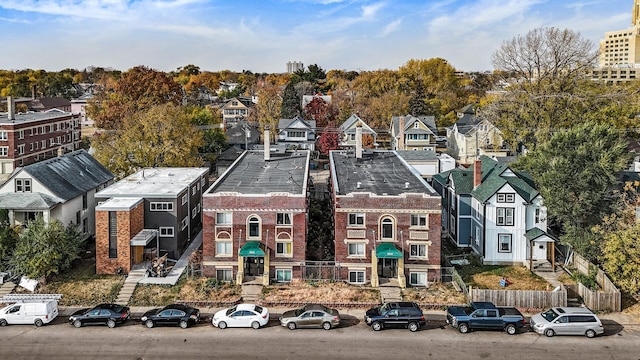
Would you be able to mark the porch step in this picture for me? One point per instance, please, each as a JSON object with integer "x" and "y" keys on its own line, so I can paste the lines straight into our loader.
{"x": 129, "y": 286}
{"x": 251, "y": 293}
{"x": 7, "y": 288}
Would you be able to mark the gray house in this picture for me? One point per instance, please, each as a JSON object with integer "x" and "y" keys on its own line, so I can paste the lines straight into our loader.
{"x": 60, "y": 188}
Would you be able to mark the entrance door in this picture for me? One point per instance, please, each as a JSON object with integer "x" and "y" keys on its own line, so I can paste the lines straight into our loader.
{"x": 387, "y": 268}
{"x": 539, "y": 250}
{"x": 254, "y": 266}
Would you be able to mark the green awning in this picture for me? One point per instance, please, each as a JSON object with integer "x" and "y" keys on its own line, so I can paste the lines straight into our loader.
{"x": 252, "y": 249}
{"x": 388, "y": 251}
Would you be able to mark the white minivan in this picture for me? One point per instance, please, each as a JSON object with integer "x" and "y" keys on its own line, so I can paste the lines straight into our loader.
{"x": 567, "y": 321}
{"x": 36, "y": 312}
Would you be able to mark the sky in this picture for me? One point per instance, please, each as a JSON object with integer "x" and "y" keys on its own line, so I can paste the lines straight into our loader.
{"x": 263, "y": 35}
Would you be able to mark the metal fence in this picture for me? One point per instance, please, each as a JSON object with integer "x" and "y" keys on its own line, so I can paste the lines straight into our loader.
{"x": 321, "y": 270}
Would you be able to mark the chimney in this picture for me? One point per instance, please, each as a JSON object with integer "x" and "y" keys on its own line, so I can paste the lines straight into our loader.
{"x": 359, "y": 141}
{"x": 10, "y": 108}
{"x": 33, "y": 92}
{"x": 401, "y": 134}
{"x": 267, "y": 142}
{"x": 477, "y": 173}
{"x": 60, "y": 151}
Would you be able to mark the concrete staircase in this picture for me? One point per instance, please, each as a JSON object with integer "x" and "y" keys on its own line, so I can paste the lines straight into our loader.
{"x": 7, "y": 288}
{"x": 129, "y": 286}
{"x": 251, "y": 292}
{"x": 390, "y": 292}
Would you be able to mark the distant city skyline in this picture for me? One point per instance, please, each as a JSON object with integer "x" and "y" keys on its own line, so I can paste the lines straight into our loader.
{"x": 262, "y": 36}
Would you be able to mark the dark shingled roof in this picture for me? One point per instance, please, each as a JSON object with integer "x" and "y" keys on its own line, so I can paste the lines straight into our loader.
{"x": 27, "y": 201}
{"x": 70, "y": 175}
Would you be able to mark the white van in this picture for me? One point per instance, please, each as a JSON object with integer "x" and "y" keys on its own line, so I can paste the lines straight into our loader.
{"x": 36, "y": 311}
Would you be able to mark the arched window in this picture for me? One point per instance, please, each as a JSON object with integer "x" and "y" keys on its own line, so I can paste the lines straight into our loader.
{"x": 253, "y": 224}
{"x": 387, "y": 228}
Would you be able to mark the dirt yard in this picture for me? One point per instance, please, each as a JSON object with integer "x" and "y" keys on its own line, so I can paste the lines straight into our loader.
{"x": 191, "y": 289}
{"x": 321, "y": 292}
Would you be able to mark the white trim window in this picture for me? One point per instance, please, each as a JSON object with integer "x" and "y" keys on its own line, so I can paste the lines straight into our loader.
{"x": 283, "y": 219}
{"x": 418, "y": 278}
{"x": 184, "y": 199}
{"x": 224, "y": 248}
{"x": 194, "y": 212}
{"x": 356, "y": 220}
{"x": 4, "y": 151}
{"x": 21, "y": 149}
{"x": 23, "y": 185}
{"x": 419, "y": 220}
{"x": 223, "y": 218}
{"x": 504, "y": 216}
{"x": 504, "y": 243}
{"x": 166, "y": 231}
{"x": 4, "y": 136}
{"x": 254, "y": 228}
{"x": 418, "y": 251}
{"x": 224, "y": 274}
{"x": 506, "y": 198}
{"x": 184, "y": 223}
{"x": 161, "y": 206}
{"x": 193, "y": 190}
{"x": 284, "y": 248}
{"x": 355, "y": 249}
{"x": 387, "y": 228}
{"x": 283, "y": 275}
{"x": 357, "y": 276}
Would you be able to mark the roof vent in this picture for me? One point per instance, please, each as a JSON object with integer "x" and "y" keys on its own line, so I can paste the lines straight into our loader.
{"x": 358, "y": 185}
{"x": 406, "y": 185}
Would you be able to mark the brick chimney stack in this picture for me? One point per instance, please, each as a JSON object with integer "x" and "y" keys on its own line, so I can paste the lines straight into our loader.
{"x": 267, "y": 142}
{"x": 477, "y": 173}
{"x": 401, "y": 145}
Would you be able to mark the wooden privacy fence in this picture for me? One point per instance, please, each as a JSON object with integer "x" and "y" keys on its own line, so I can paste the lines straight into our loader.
{"x": 523, "y": 299}
{"x": 609, "y": 299}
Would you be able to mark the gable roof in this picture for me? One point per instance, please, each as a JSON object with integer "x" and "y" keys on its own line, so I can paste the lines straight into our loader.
{"x": 70, "y": 175}
{"x": 28, "y": 201}
{"x": 494, "y": 176}
{"x": 409, "y": 120}
{"x": 284, "y": 124}
{"x": 349, "y": 125}
{"x": 467, "y": 123}
{"x": 236, "y": 135}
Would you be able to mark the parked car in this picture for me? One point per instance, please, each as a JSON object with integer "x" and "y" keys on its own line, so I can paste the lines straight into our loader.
{"x": 485, "y": 315}
{"x": 311, "y": 315}
{"x": 395, "y": 314}
{"x": 567, "y": 321}
{"x": 103, "y": 314}
{"x": 174, "y": 314}
{"x": 33, "y": 312}
{"x": 241, "y": 315}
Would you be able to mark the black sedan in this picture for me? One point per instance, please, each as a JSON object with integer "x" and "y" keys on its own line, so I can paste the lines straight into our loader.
{"x": 174, "y": 314}
{"x": 109, "y": 314}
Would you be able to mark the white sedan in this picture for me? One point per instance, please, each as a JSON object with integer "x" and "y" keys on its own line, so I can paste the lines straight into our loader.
{"x": 241, "y": 315}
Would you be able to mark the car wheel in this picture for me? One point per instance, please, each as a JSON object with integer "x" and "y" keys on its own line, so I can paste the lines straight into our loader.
{"x": 413, "y": 326}
{"x": 111, "y": 323}
{"x": 326, "y": 325}
{"x": 149, "y": 324}
{"x": 463, "y": 328}
{"x": 3, "y": 322}
{"x": 184, "y": 324}
{"x": 38, "y": 322}
{"x": 291, "y": 325}
{"x": 590, "y": 333}
{"x": 377, "y": 326}
{"x": 77, "y": 323}
{"x": 255, "y": 325}
{"x": 222, "y": 325}
{"x": 549, "y": 332}
{"x": 511, "y": 329}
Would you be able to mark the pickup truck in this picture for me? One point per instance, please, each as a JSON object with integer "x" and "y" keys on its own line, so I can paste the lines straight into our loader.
{"x": 485, "y": 315}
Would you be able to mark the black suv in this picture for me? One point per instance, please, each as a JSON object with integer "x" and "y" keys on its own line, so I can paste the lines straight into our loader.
{"x": 395, "y": 314}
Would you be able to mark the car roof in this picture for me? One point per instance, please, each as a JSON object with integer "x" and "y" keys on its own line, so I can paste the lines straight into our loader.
{"x": 314, "y": 307}
{"x": 403, "y": 304}
{"x": 182, "y": 307}
{"x": 246, "y": 307}
{"x": 572, "y": 310}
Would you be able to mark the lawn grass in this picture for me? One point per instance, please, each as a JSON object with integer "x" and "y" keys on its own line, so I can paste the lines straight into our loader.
{"x": 81, "y": 286}
{"x": 320, "y": 292}
{"x": 489, "y": 276}
{"x": 196, "y": 289}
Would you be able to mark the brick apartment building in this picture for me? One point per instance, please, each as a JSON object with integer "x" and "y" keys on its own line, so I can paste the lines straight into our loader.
{"x": 255, "y": 218}
{"x": 26, "y": 138}
{"x": 386, "y": 219}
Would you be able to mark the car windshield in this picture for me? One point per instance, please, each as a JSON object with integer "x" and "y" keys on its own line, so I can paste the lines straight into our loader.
{"x": 257, "y": 309}
{"x": 549, "y": 315}
{"x": 230, "y": 310}
{"x": 118, "y": 308}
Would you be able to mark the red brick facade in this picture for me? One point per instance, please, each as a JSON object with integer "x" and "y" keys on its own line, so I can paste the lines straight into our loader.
{"x": 266, "y": 209}
{"x": 129, "y": 223}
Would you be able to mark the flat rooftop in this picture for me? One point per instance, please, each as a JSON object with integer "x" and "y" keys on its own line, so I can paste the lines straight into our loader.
{"x": 25, "y": 118}
{"x": 251, "y": 174}
{"x": 378, "y": 172}
{"x": 154, "y": 182}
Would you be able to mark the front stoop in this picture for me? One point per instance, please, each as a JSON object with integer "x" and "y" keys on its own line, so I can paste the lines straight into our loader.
{"x": 129, "y": 286}
{"x": 251, "y": 292}
{"x": 390, "y": 294}
{"x": 7, "y": 288}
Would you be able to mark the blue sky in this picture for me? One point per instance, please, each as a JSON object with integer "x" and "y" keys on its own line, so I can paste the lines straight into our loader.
{"x": 263, "y": 35}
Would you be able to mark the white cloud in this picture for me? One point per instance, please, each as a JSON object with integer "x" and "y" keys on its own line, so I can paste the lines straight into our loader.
{"x": 391, "y": 27}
